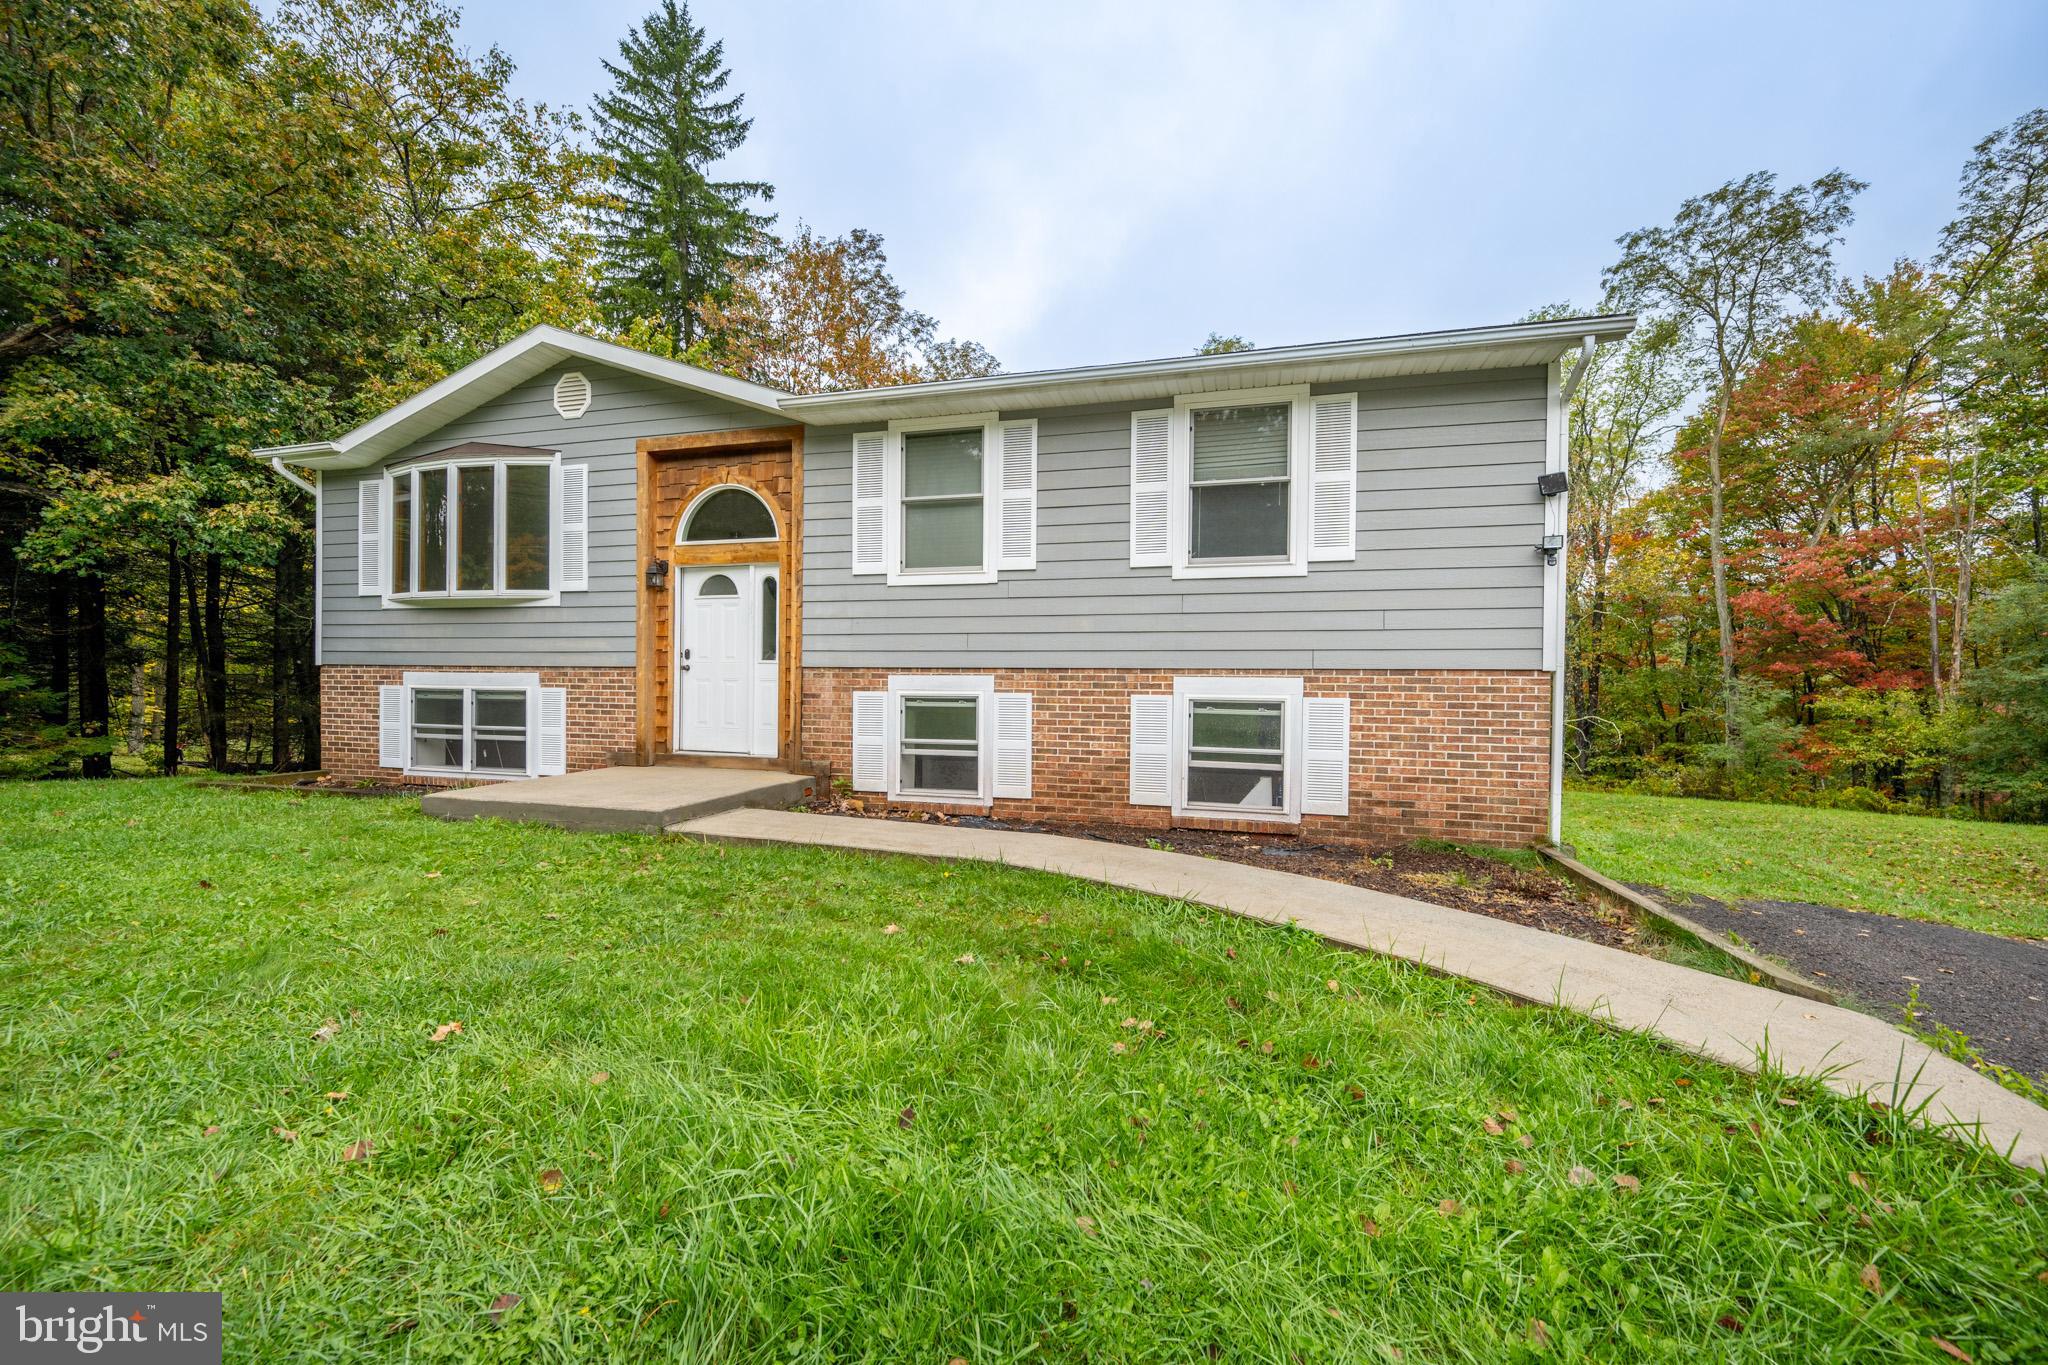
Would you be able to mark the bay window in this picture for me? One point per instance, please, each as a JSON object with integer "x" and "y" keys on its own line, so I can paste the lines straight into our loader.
{"x": 472, "y": 529}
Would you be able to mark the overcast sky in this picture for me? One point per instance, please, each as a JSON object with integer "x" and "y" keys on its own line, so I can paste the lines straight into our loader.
{"x": 1080, "y": 182}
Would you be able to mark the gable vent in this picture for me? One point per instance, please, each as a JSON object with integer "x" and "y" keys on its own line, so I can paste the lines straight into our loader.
{"x": 572, "y": 395}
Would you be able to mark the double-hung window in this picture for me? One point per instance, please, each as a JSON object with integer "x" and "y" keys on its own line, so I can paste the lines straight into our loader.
{"x": 478, "y": 730}
{"x": 472, "y": 529}
{"x": 946, "y": 500}
{"x": 1240, "y": 469}
{"x": 1236, "y": 754}
{"x": 1246, "y": 483}
{"x": 944, "y": 522}
{"x": 939, "y": 746}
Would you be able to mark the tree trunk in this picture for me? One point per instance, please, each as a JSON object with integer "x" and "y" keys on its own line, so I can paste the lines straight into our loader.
{"x": 173, "y": 665}
{"x": 95, "y": 700}
{"x": 216, "y": 665}
{"x": 138, "y": 707}
{"x": 57, "y": 711}
{"x": 1723, "y": 617}
{"x": 197, "y": 636}
{"x": 281, "y": 662}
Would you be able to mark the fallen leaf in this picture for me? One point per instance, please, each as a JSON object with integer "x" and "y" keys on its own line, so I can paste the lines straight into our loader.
{"x": 1109, "y": 1000}
{"x": 1628, "y": 1182}
{"x": 1370, "y": 1228}
{"x": 213, "y": 1128}
{"x": 337, "y": 1095}
{"x": 1508, "y": 1116}
{"x": 287, "y": 1134}
{"x": 2019, "y": 1198}
{"x": 325, "y": 1033}
{"x": 402, "y": 1325}
{"x": 1230, "y": 953}
{"x": 1525, "y": 1139}
{"x": 1949, "y": 1346}
{"x": 1872, "y": 1281}
{"x": 1515, "y": 1167}
{"x": 500, "y": 1306}
{"x": 1118, "y": 1047}
{"x": 205, "y": 885}
{"x": 1333, "y": 985}
{"x": 1539, "y": 1333}
{"x": 1267, "y": 1048}
{"x": 1087, "y": 1225}
{"x": 1682, "y": 1081}
{"x": 1728, "y": 1324}
{"x": 1355, "y": 1092}
{"x": 1287, "y": 1188}
{"x": 1311, "y": 1063}
{"x": 432, "y": 875}
{"x": 1789, "y": 1101}
{"x": 1859, "y": 1180}
{"x": 1448, "y": 1208}
{"x": 907, "y": 1117}
{"x": 358, "y": 1151}
{"x": 551, "y": 1179}
{"x": 892, "y": 928}
{"x": 1579, "y": 1175}
{"x": 964, "y": 960}
{"x": 114, "y": 1053}
{"x": 445, "y": 1031}
{"x": 1492, "y": 1126}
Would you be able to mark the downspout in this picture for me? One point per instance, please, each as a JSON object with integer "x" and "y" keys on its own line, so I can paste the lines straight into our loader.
{"x": 1562, "y": 516}
{"x": 286, "y": 472}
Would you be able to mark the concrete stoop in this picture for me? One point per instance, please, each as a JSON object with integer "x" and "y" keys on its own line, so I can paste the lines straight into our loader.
{"x": 622, "y": 800}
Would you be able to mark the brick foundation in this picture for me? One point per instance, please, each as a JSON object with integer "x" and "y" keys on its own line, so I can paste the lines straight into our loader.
{"x": 600, "y": 710}
{"x": 1441, "y": 754}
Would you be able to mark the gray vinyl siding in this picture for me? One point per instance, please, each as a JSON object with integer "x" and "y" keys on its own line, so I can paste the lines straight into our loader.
{"x": 1446, "y": 575}
{"x": 593, "y": 628}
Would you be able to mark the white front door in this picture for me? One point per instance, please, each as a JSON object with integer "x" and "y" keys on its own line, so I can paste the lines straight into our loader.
{"x": 713, "y": 660}
{"x": 728, "y": 669}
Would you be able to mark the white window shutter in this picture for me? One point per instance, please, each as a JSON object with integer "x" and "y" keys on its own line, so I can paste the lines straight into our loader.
{"x": 1013, "y": 744}
{"x": 1152, "y": 488}
{"x": 391, "y": 727}
{"x": 575, "y": 528}
{"x": 870, "y": 510}
{"x": 1333, "y": 477}
{"x": 370, "y": 535}
{"x": 871, "y": 741}
{"x": 551, "y": 754}
{"x": 1020, "y": 495}
{"x": 1151, "y": 751}
{"x": 1326, "y": 756}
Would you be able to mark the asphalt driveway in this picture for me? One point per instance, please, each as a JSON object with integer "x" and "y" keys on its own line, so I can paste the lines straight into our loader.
{"x": 1993, "y": 989}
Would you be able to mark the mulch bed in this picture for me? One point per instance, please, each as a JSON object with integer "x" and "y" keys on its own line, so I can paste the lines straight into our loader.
{"x": 1461, "y": 881}
{"x": 325, "y": 786}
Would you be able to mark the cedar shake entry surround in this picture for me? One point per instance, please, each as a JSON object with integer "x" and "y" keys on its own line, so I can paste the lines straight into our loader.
{"x": 674, "y": 472}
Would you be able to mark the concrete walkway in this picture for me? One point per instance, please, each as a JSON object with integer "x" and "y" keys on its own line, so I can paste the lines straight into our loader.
{"x": 621, "y": 800}
{"x": 1710, "y": 1016}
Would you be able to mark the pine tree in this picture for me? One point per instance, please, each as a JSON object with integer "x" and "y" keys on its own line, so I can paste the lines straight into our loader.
{"x": 672, "y": 237}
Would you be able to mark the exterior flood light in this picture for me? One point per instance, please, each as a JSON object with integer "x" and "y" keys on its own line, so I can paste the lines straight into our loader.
{"x": 1550, "y": 485}
{"x": 1551, "y": 546}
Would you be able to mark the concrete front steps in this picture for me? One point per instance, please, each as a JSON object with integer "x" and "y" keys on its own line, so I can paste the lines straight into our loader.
{"x": 622, "y": 800}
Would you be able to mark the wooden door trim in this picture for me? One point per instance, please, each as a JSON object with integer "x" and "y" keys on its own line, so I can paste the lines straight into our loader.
{"x": 786, "y": 554}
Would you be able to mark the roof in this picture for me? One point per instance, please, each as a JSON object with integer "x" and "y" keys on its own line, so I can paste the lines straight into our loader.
{"x": 1472, "y": 348}
{"x": 531, "y": 353}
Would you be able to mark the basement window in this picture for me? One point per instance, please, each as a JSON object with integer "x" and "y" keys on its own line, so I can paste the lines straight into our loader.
{"x": 469, "y": 730}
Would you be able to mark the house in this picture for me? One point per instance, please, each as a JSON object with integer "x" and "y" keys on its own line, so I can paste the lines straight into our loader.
{"x": 1310, "y": 588}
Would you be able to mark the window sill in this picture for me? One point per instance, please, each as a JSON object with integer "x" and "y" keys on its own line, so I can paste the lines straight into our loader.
{"x": 541, "y": 597}
{"x": 1242, "y": 568}
{"x": 941, "y": 577}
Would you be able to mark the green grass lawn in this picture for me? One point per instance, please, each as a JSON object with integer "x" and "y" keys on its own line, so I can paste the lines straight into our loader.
{"x": 704, "y": 1107}
{"x": 1979, "y": 875}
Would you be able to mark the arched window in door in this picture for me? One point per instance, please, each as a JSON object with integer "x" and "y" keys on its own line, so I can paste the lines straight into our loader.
{"x": 728, "y": 513}
{"x": 718, "y": 585}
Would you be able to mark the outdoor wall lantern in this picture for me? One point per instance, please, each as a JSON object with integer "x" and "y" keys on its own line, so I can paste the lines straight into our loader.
{"x": 1550, "y": 548}
{"x": 657, "y": 573}
{"x": 1550, "y": 485}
